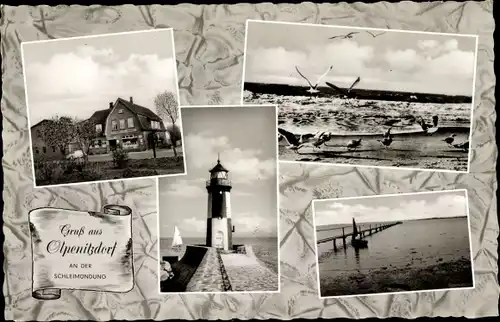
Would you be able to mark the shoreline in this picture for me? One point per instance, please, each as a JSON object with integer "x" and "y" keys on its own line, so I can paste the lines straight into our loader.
{"x": 451, "y": 274}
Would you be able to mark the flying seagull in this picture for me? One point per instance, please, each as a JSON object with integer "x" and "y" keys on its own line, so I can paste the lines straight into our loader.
{"x": 449, "y": 140}
{"x": 428, "y": 129}
{"x": 347, "y": 92}
{"x": 348, "y": 36}
{"x": 373, "y": 35}
{"x": 353, "y": 144}
{"x": 312, "y": 88}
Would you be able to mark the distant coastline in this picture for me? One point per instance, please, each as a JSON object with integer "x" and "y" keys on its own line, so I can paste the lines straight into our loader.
{"x": 294, "y": 90}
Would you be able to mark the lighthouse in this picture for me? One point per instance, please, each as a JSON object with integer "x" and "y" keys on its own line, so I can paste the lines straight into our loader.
{"x": 219, "y": 227}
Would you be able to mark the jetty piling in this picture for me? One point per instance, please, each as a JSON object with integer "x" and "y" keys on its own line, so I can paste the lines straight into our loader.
{"x": 362, "y": 232}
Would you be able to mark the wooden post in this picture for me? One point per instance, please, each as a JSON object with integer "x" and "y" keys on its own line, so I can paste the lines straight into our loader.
{"x": 334, "y": 245}
{"x": 370, "y": 230}
{"x": 343, "y": 237}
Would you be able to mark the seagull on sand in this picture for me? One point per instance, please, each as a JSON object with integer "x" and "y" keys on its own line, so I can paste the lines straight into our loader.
{"x": 449, "y": 140}
{"x": 347, "y": 36}
{"x": 463, "y": 146}
{"x": 375, "y": 35}
{"x": 354, "y": 144}
{"x": 386, "y": 141}
{"x": 294, "y": 143}
{"x": 312, "y": 88}
{"x": 347, "y": 93}
{"x": 428, "y": 129}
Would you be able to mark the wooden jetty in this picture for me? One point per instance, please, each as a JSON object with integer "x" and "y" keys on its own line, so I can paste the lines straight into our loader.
{"x": 361, "y": 232}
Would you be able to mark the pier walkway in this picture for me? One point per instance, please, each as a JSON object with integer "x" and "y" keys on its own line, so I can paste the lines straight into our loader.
{"x": 361, "y": 232}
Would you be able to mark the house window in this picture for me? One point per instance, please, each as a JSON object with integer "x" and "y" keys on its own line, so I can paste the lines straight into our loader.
{"x": 36, "y": 151}
{"x": 130, "y": 122}
{"x": 114, "y": 125}
{"x": 120, "y": 111}
{"x": 122, "y": 124}
{"x": 155, "y": 125}
{"x": 44, "y": 150}
{"x": 98, "y": 128}
{"x": 53, "y": 149}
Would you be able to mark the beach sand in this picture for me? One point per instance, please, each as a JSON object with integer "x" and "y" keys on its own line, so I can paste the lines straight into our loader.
{"x": 453, "y": 274}
{"x": 411, "y": 150}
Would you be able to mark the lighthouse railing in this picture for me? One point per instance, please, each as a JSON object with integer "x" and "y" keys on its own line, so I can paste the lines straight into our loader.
{"x": 218, "y": 181}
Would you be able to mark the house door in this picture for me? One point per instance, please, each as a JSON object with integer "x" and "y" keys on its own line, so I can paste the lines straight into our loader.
{"x": 112, "y": 145}
{"x": 219, "y": 239}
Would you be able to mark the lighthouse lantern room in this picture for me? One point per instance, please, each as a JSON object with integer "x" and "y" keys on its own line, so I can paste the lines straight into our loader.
{"x": 219, "y": 228}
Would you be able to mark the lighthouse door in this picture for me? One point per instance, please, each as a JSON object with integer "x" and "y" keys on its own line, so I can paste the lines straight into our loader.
{"x": 219, "y": 239}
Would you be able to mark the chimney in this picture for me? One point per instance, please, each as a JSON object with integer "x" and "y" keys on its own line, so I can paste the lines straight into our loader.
{"x": 110, "y": 104}
{"x": 131, "y": 100}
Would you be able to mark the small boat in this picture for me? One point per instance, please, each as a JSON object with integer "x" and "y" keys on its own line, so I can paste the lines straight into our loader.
{"x": 355, "y": 242}
{"x": 177, "y": 241}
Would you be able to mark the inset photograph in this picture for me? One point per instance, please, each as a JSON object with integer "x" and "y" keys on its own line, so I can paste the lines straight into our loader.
{"x": 393, "y": 243}
{"x": 100, "y": 109}
{"x": 218, "y": 225}
{"x": 364, "y": 97}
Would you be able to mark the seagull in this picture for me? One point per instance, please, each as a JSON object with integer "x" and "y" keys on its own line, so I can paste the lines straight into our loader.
{"x": 296, "y": 144}
{"x": 348, "y": 36}
{"x": 347, "y": 93}
{"x": 386, "y": 141}
{"x": 293, "y": 143}
{"x": 427, "y": 129}
{"x": 354, "y": 144}
{"x": 312, "y": 88}
{"x": 373, "y": 35}
{"x": 463, "y": 146}
{"x": 449, "y": 140}
{"x": 321, "y": 138}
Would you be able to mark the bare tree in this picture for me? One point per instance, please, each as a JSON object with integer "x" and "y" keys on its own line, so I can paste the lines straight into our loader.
{"x": 167, "y": 106}
{"x": 167, "y": 109}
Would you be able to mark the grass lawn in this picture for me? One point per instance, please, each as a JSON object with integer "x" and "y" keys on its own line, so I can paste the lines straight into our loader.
{"x": 61, "y": 172}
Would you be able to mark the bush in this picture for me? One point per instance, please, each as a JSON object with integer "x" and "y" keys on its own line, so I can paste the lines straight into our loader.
{"x": 45, "y": 169}
{"x": 120, "y": 158}
{"x": 128, "y": 173}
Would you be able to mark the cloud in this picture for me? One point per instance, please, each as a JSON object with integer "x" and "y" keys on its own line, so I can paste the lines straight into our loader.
{"x": 404, "y": 60}
{"x": 91, "y": 76}
{"x": 250, "y": 223}
{"x": 346, "y": 57}
{"x": 192, "y": 227}
{"x": 430, "y": 65}
{"x": 185, "y": 188}
{"x": 446, "y": 205}
{"x": 245, "y": 165}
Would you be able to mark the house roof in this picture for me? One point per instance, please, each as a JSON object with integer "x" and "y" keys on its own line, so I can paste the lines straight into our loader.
{"x": 100, "y": 116}
{"x": 140, "y": 110}
{"x": 42, "y": 122}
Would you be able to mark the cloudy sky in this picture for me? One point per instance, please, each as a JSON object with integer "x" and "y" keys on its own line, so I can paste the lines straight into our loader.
{"x": 245, "y": 139}
{"x": 398, "y": 61}
{"x": 392, "y": 208}
{"x": 79, "y": 76}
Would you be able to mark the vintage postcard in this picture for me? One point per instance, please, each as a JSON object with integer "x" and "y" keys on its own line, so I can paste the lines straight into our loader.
{"x": 393, "y": 243}
{"x": 218, "y": 225}
{"x": 100, "y": 109}
{"x": 364, "y": 97}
